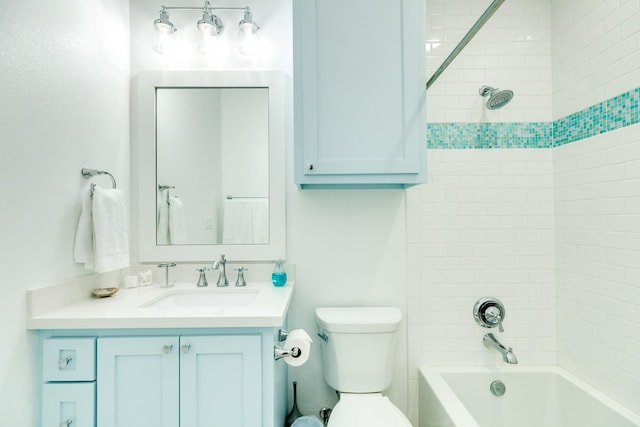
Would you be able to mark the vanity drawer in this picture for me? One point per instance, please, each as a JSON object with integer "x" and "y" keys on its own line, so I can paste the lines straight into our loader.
{"x": 68, "y": 404}
{"x": 69, "y": 359}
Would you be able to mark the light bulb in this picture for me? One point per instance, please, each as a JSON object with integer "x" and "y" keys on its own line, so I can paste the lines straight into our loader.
{"x": 248, "y": 39}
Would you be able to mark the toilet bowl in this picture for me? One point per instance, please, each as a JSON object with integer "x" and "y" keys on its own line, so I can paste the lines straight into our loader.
{"x": 366, "y": 410}
{"x": 358, "y": 354}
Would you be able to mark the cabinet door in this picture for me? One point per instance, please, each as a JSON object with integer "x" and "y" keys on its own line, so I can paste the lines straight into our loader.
{"x": 359, "y": 80}
{"x": 138, "y": 382}
{"x": 220, "y": 381}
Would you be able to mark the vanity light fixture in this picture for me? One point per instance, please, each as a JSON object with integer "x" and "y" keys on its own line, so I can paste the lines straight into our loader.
{"x": 211, "y": 26}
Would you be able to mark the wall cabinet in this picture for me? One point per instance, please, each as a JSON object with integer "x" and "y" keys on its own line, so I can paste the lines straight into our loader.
{"x": 187, "y": 381}
{"x": 359, "y": 93}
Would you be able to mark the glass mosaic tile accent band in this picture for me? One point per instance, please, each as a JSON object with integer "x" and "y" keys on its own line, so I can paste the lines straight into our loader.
{"x": 620, "y": 111}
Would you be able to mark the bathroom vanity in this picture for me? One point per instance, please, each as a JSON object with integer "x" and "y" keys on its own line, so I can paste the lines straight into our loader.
{"x": 179, "y": 356}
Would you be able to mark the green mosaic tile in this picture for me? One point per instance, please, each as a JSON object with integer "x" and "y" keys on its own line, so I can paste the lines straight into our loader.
{"x": 615, "y": 113}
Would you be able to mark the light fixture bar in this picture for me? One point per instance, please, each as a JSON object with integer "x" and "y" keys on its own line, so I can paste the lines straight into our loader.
{"x": 246, "y": 8}
{"x": 211, "y": 27}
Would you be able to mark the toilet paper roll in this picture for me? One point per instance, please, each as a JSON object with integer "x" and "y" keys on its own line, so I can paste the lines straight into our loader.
{"x": 300, "y": 339}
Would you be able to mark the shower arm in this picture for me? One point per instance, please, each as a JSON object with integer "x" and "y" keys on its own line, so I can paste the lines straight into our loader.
{"x": 466, "y": 39}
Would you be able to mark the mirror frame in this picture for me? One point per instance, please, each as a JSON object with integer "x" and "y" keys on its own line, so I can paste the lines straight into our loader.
{"x": 144, "y": 165}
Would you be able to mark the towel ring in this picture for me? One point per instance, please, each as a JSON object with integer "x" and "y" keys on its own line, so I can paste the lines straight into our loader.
{"x": 90, "y": 173}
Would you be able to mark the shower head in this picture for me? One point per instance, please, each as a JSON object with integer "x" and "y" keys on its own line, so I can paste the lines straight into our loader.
{"x": 497, "y": 98}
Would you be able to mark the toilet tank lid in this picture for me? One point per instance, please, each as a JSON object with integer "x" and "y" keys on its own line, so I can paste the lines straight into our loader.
{"x": 359, "y": 319}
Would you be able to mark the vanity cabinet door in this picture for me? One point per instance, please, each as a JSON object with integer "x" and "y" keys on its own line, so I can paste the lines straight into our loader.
{"x": 221, "y": 381}
{"x": 359, "y": 93}
{"x": 138, "y": 382}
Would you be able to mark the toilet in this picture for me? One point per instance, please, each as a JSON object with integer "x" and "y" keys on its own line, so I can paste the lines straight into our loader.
{"x": 358, "y": 355}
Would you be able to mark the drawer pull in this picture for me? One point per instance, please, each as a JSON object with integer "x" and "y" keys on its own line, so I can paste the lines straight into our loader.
{"x": 66, "y": 423}
{"x": 63, "y": 363}
{"x": 186, "y": 348}
{"x": 167, "y": 348}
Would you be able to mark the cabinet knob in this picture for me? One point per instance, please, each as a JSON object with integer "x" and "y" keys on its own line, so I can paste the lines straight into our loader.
{"x": 167, "y": 348}
{"x": 64, "y": 362}
{"x": 310, "y": 166}
{"x": 185, "y": 348}
{"x": 66, "y": 423}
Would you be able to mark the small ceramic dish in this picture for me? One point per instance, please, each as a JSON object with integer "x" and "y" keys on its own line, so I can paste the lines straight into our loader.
{"x": 104, "y": 292}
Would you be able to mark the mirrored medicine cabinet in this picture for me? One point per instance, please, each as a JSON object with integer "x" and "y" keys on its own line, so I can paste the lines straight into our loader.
{"x": 208, "y": 156}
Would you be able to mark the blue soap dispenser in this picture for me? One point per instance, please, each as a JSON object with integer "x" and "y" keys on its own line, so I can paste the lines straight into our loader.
{"x": 279, "y": 275}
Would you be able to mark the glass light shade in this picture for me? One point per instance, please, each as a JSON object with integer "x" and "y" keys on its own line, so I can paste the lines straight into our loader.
{"x": 248, "y": 39}
{"x": 164, "y": 43}
{"x": 209, "y": 46}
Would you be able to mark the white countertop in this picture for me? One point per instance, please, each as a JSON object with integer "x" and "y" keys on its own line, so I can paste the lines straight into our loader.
{"x": 125, "y": 310}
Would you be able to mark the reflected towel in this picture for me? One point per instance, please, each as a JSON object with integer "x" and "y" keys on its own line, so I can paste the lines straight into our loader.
{"x": 162, "y": 226}
{"x": 83, "y": 247}
{"x": 261, "y": 220}
{"x": 110, "y": 231}
{"x": 246, "y": 221}
{"x": 177, "y": 224}
{"x": 238, "y": 221}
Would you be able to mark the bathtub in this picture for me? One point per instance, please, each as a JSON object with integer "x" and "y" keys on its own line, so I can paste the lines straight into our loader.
{"x": 533, "y": 397}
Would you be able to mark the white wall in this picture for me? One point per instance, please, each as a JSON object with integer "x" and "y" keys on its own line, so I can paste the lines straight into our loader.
{"x": 596, "y": 48}
{"x": 65, "y": 95}
{"x": 348, "y": 247}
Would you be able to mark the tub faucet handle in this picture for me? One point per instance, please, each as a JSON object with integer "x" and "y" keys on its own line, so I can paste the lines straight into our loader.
{"x": 493, "y": 315}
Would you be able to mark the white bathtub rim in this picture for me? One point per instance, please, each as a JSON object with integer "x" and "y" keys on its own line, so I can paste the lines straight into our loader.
{"x": 461, "y": 417}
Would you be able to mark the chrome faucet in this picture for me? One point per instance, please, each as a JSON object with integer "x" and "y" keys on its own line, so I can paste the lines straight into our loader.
{"x": 221, "y": 266}
{"x": 490, "y": 341}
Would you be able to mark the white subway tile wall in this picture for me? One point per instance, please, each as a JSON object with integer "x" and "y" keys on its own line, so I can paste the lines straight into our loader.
{"x": 596, "y": 51}
{"x": 597, "y": 227}
{"x": 482, "y": 226}
{"x": 512, "y": 51}
{"x": 554, "y": 233}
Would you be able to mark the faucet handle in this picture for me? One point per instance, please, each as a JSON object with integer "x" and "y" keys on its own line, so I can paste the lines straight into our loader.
{"x": 202, "y": 280}
{"x": 240, "y": 280}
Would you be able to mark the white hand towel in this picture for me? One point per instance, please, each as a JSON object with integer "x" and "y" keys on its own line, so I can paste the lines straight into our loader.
{"x": 162, "y": 227}
{"x": 177, "y": 223}
{"x": 111, "y": 236}
{"x": 83, "y": 248}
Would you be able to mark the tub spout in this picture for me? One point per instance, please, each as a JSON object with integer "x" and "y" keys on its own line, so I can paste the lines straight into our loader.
{"x": 490, "y": 341}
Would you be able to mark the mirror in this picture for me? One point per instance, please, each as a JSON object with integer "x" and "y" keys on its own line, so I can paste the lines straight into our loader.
{"x": 212, "y": 160}
{"x": 209, "y": 150}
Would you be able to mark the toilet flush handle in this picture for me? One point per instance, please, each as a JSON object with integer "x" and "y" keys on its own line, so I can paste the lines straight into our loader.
{"x": 323, "y": 337}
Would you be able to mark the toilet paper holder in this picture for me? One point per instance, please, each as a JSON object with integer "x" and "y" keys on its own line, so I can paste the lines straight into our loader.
{"x": 279, "y": 352}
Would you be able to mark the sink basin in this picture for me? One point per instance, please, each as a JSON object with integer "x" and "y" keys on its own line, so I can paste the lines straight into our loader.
{"x": 199, "y": 298}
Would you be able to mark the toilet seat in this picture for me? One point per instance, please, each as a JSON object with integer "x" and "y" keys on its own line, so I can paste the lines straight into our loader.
{"x": 366, "y": 410}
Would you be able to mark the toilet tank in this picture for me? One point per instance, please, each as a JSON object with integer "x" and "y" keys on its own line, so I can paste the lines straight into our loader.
{"x": 358, "y": 354}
